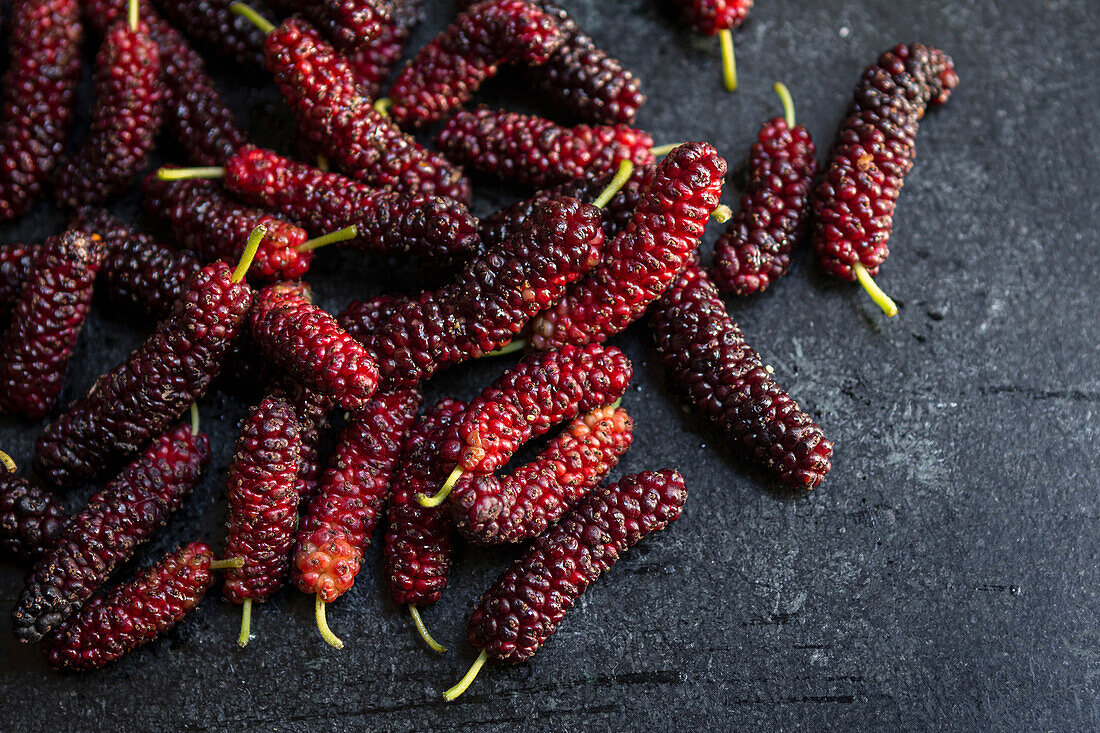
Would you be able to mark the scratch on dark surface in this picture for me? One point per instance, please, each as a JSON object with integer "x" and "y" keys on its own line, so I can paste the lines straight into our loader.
{"x": 1033, "y": 393}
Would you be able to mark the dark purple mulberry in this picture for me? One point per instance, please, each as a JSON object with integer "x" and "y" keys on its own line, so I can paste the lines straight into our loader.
{"x": 31, "y": 518}
{"x": 213, "y": 25}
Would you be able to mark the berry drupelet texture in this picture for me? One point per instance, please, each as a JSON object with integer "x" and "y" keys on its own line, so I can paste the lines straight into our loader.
{"x": 132, "y": 613}
{"x": 372, "y": 59}
{"x": 706, "y": 356}
{"x": 46, "y": 321}
{"x": 312, "y": 410}
{"x": 854, "y": 201}
{"x": 338, "y": 524}
{"x": 449, "y": 69}
{"x": 30, "y": 517}
{"x": 489, "y": 301}
{"x": 386, "y": 221}
{"x": 530, "y": 398}
{"x": 139, "y": 398}
{"x": 755, "y": 250}
{"x": 642, "y": 260}
{"x": 206, "y": 221}
{"x": 420, "y": 540}
{"x": 126, "y": 117}
{"x": 535, "y": 151}
{"x": 529, "y": 601}
{"x": 711, "y": 17}
{"x": 491, "y": 510}
{"x": 309, "y": 345}
{"x": 320, "y": 88}
{"x": 16, "y": 263}
{"x": 213, "y": 25}
{"x": 347, "y": 22}
{"x": 105, "y": 534}
{"x": 263, "y": 506}
{"x": 36, "y": 109}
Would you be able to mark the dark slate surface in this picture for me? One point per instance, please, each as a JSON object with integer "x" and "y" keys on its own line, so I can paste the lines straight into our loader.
{"x": 946, "y": 573}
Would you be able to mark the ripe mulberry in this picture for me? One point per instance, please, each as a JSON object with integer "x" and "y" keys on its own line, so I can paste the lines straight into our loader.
{"x": 31, "y": 518}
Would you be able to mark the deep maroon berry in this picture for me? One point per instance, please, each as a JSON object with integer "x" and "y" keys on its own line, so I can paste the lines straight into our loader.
{"x": 643, "y": 259}
{"x": 706, "y": 356}
{"x": 308, "y": 344}
{"x": 213, "y": 25}
{"x": 139, "y": 398}
{"x": 126, "y": 117}
{"x": 535, "y": 151}
{"x": 854, "y": 201}
{"x": 312, "y": 410}
{"x": 46, "y": 321}
{"x": 31, "y": 518}
{"x": 346, "y": 22}
{"x": 710, "y": 17}
{"x": 16, "y": 262}
{"x": 372, "y": 59}
{"x": 132, "y": 613}
{"x": 36, "y": 109}
{"x": 489, "y": 302}
{"x": 105, "y": 534}
{"x": 263, "y": 506}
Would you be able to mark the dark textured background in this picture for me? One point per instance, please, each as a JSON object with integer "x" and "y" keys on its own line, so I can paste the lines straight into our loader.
{"x": 946, "y": 573}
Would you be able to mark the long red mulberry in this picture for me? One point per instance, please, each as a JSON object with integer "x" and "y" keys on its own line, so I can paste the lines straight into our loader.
{"x": 874, "y": 149}
{"x": 312, "y": 410}
{"x": 133, "y": 613}
{"x": 50, "y": 313}
{"x": 755, "y": 249}
{"x": 308, "y": 343}
{"x": 529, "y": 601}
{"x": 537, "y": 152}
{"x": 642, "y": 260}
{"x": 36, "y": 110}
{"x": 105, "y": 534}
{"x": 31, "y": 518}
{"x": 720, "y": 18}
{"x": 706, "y": 356}
{"x": 213, "y": 25}
{"x": 372, "y": 59}
{"x": 338, "y": 524}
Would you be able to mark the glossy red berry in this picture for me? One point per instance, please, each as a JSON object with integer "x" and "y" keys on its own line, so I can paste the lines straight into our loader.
{"x": 312, "y": 410}
{"x": 709, "y": 17}
{"x": 373, "y": 58}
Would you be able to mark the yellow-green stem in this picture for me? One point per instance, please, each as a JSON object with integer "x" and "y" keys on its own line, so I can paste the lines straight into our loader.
{"x": 882, "y": 300}
{"x": 322, "y": 624}
{"x": 187, "y": 174}
{"x": 419, "y": 623}
{"x": 340, "y": 235}
{"x": 194, "y": 418}
{"x": 133, "y": 14}
{"x": 7, "y": 462}
{"x": 382, "y": 106}
{"x": 626, "y": 169}
{"x": 229, "y": 562}
{"x": 246, "y": 623}
{"x": 729, "y": 60}
{"x": 251, "y": 247}
{"x": 468, "y": 678}
{"x": 255, "y": 18}
{"x": 510, "y": 348}
{"x": 788, "y": 103}
{"x": 660, "y": 150}
{"x": 441, "y": 496}
{"x": 721, "y": 213}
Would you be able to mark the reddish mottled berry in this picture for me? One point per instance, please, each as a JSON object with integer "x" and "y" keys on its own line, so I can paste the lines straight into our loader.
{"x": 530, "y": 398}
{"x": 854, "y": 201}
{"x": 139, "y": 398}
{"x": 31, "y": 518}
{"x": 535, "y": 151}
{"x": 206, "y": 221}
{"x": 755, "y": 249}
{"x": 46, "y": 321}
{"x": 706, "y": 356}
{"x": 372, "y": 59}
{"x": 214, "y": 26}
{"x": 528, "y": 602}
{"x": 420, "y": 540}
{"x": 711, "y": 16}
{"x": 345, "y": 22}
{"x": 132, "y": 613}
{"x": 490, "y": 300}
{"x": 308, "y": 344}
{"x": 338, "y": 524}
{"x": 491, "y": 510}
{"x": 126, "y": 117}
{"x": 332, "y": 112}
{"x": 36, "y": 109}
{"x": 312, "y": 410}
{"x": 263, "y": 506}
{"x": 16, "y": 263}
{"x": 106, "y": 532}
{"x": 386, "y": 221}
{"x": 642, "y": 260}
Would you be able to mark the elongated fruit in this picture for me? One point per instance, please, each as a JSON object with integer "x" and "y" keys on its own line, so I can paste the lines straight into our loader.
{"x": 31, "y": 518}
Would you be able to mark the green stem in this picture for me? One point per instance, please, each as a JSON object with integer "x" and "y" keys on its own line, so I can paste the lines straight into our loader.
{"x": 468, "y": 678}
{"x": 626, "y": 169}
{"x": 788, "y": 103}
{"x": 246, "y": 622}
{"x": 186, "y": 174}
{"x": 251, "y": 247}
{"x": 882, "y": 300}
{"x": 721, "y": 213}
{"x": 510, "y": 348}
{"x": 7, "y": 462}
{"x": 441, "y": 496}
{"x": 194, "y": 418}
{"x": 229, "y": 562}
{"x": 435, "y": 645}
{"x": 729, "y": 60}
{"x": 659, "y": 150}
{"x": 134, "y": 17}
{"x": 322, "y": 624}
{"x": 382, "y": 106}
{"x": 340, "y": 235}
{"x": 249, "y": 13}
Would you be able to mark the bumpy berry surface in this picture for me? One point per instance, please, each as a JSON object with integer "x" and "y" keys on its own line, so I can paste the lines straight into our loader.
{"x": 332, "y": 112}
{"x": 372, "y": 59}
{"x": 535, "y": 151}
{"x": 706, "y": 356}
{"x": 213, "y": 25}
{"x": 337, "y": 527}
{"x": 530, "y": 398}
{"x": 489, "y": 302}
{"x": 308, "y": 344}
{"x": 105, "y": 534}
{"x": 755, "y": 249}
{"x": 449, "y": 69}
{"x": 346, "y": 22}
{"x": 46, "y": 321}
{"x": 36, "y": 110}
{"x": 16, "y": 262}
{"x": 386, "y": 221}
{"x": 854, "y": 201}
{"x": 194, "y": 111}
{"x": 711, "y": 16}
{"x": 491, "y": 510}
{"x": 206, "y": 221}
{"x": 642, "y": 260}
{"x": 139, "y": 398}
{"x": 312, "y": 410}
{"x": 129, "y": 103}
{"x": 420, "y": 540}
{"x": 31, "y": 518}
{"x": 263, "y": 504}
{"x": 132, "y": 613}
{"x": 138, "y": 272}
{"x": 528, "y": 602}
